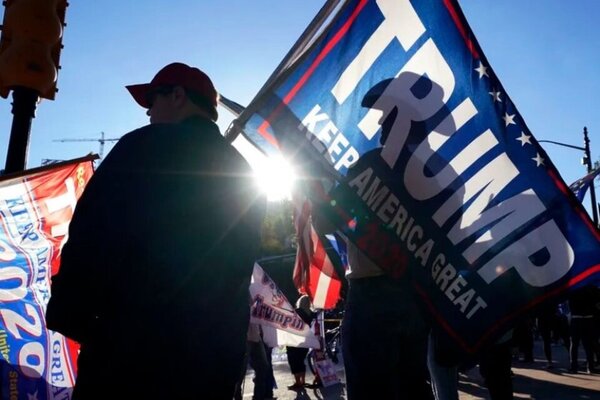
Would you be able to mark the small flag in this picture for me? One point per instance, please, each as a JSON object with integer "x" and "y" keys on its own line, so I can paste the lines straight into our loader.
{"x": 314, "y": 273}
{"x": 580, "y": 186}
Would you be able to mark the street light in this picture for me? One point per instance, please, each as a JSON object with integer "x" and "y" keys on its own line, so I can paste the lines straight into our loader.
{"x": 587, "y": 161}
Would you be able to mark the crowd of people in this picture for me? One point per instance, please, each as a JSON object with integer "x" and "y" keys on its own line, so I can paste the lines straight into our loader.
{"x": 571, "y": 323}
{"x": 554, "y": 324}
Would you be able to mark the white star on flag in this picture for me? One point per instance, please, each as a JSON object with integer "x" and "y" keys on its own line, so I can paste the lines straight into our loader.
{"x": 509, "y": 119}
{"x": 482, "y": 70}
{"x": 524, "y": 139}
{"x": 495, "y": 96}
{"x": 538, "y": 160}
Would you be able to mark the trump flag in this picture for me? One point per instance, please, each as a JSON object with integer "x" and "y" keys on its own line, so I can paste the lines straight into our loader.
{"x": 581, "y": 186}
{"x": 35, "y": 211}
{"x": 419, "y": 156}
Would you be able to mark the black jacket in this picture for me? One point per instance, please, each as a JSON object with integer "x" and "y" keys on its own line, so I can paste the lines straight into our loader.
{"x": 154, "y": 277}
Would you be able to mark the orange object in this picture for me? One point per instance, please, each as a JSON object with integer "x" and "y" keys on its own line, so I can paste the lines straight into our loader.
{"x": 30, "y": 45}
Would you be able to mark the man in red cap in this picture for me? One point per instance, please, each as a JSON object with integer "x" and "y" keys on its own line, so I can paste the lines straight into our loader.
{"x": 154, "y": 278}
{"x": 177, "y": 81}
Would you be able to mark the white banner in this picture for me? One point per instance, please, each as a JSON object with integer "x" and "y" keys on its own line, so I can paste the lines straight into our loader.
{"x": 281, "y": 325}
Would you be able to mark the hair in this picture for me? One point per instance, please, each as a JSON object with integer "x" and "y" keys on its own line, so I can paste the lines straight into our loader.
{"x": 204, "y": 103}
{"x": 304, "y": 303}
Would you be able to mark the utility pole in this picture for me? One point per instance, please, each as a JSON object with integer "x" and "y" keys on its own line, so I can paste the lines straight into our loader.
{"x": 23, "y": 109}
{"x": 587, "y": 161}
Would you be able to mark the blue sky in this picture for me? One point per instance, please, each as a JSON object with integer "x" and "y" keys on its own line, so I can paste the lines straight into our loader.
{"x": 546, "y": 54}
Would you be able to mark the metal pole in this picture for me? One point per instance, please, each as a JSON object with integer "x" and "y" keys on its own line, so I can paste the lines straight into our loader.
{"x": 588, "y": 163}
{"x": 562, "y": 144}
{"x": 24, "y": 104}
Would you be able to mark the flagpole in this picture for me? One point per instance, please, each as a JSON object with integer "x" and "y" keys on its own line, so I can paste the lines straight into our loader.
{"x": 299, "y": 48}
{"x": 587, "y": 161}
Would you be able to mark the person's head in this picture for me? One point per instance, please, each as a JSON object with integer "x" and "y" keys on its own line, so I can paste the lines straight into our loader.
{"x": 177, "y": 92}
{"x": 304, "y": 303}
{"x": 370, "y": 100}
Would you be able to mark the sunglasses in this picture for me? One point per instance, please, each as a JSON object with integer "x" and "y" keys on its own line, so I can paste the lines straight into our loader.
{"x": 161, "y": 90}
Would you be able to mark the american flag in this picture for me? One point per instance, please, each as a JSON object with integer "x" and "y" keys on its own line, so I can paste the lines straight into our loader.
{"x": 314, "y": 273}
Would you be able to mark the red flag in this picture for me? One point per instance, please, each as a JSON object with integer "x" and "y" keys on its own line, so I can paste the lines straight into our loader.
{"x": 36, "y": 207}
{"x": 314, "y": 273}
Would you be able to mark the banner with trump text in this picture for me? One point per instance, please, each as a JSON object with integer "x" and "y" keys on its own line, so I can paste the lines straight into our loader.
{"x": 281, "y": 325}
{"x": 418, "y": 155}
{"x": 35, "y": 210}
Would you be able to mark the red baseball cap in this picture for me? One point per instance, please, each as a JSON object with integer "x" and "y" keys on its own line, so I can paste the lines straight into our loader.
{"x": 179, "y": 74}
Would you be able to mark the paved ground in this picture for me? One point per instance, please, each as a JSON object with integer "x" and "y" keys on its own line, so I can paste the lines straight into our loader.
{"x": 531, "y": 381}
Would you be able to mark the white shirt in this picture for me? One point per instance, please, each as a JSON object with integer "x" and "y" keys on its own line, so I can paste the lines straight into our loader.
{"x": 359, "y": 265}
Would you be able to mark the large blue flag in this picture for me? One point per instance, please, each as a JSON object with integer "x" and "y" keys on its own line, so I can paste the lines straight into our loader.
{"x": 445, "y": 173}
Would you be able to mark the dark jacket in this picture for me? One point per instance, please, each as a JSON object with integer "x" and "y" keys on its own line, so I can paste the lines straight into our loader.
{"x": 307, "y": 316}
{"x": 154, "y": 277}
{"x": 585, "y": 301}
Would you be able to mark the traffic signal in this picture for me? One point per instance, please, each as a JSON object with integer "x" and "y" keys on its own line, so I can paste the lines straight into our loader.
{"x": 30, "y": 45}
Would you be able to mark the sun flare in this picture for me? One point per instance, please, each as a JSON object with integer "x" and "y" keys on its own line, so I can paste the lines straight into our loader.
{"x": 276, "y": 178}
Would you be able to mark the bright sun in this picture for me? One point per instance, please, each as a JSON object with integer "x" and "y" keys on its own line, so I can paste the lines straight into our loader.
{"x": 274, "y": 174}
{"x": 276, "y": 178}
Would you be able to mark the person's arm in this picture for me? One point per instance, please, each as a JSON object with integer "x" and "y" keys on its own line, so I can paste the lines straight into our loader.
{"x": 76, "y": 288}
{"x": 70, "y": 309}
